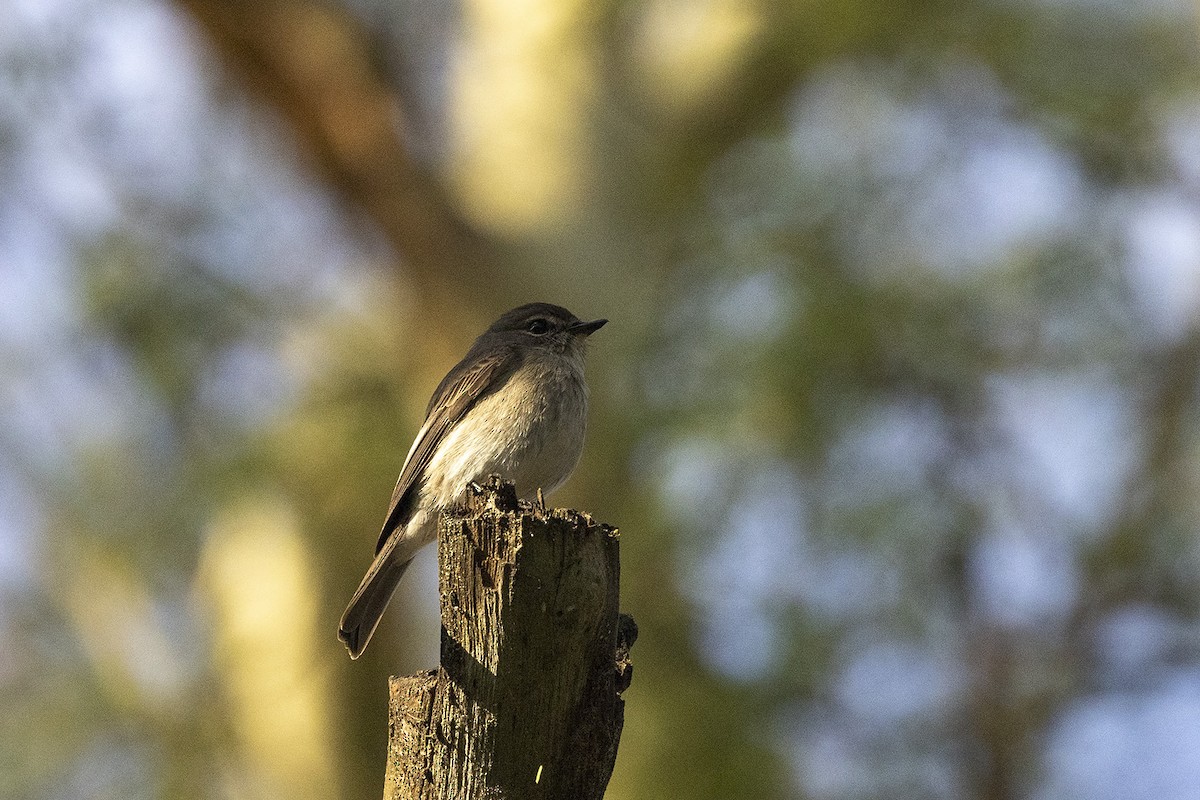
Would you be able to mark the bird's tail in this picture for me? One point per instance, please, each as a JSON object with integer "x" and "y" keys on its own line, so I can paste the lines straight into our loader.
{"x": 371, "y": 600}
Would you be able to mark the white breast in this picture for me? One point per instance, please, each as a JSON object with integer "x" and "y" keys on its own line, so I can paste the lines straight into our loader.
{"x": 530, "y": 431}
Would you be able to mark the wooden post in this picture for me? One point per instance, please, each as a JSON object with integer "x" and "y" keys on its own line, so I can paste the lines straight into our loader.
{"x": 534, "y": 657}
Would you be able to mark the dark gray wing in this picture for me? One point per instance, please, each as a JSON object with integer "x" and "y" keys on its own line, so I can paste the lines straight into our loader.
{"x": 462, "y": 387}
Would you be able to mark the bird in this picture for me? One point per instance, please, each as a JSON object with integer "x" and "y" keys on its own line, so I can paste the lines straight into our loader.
{"x": 516, "y": 405}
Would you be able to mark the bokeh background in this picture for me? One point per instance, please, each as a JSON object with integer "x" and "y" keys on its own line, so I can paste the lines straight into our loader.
{"x": 897, "y": 409}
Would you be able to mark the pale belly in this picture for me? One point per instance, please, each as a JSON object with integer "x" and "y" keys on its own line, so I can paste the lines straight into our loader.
{"x": 530, "y": 432}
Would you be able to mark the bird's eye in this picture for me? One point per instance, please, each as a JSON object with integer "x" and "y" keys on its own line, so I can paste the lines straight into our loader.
{"x": 538, "y": 326}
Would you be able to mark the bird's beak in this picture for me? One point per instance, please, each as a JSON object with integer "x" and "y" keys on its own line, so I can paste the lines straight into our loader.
{"x": 586, "y": 328}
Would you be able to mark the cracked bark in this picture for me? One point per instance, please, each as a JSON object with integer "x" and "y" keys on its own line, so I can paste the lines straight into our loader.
{"x": 534, "y": 657}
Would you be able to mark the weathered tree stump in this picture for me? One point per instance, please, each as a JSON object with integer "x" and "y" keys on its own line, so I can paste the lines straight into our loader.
{"x": 534, "y": 657}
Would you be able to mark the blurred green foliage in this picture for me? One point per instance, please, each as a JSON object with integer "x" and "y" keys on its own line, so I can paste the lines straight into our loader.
{"x": 896, "y": 413}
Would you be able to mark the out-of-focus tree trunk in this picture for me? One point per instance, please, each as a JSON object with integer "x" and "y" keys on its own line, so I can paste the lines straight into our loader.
{"x": 314, "y": 64}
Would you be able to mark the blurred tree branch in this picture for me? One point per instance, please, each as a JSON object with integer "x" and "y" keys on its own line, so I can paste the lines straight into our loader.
{"x": 313, "y": 63}
{"x": 1133, "y": 563}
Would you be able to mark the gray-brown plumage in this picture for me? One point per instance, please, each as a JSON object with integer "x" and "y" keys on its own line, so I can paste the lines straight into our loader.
{"x": 515, "y": 405}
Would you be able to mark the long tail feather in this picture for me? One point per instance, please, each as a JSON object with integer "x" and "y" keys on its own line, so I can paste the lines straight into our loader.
{"x": 371, "y": 600}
